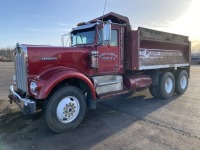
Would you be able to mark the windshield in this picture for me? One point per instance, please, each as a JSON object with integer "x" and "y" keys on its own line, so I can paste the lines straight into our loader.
{"x": 85, "y": 36}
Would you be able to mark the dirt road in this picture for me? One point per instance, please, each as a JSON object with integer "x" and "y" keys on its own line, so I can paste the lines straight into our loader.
{"x": 126, "y": 122}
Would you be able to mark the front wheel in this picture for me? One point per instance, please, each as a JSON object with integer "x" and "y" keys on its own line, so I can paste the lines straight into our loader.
{"x": 66, "y": 109}
{"x": 167, "y": 85}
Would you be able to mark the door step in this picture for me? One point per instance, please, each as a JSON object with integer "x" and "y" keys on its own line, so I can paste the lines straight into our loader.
{"x": 115, "y": 93}
{"x": 108, "y": 83}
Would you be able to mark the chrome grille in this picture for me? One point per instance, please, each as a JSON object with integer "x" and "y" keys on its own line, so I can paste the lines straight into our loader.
{"x": 20, "y": 60}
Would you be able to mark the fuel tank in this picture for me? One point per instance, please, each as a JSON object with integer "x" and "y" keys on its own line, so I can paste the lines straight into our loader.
{"x": 137, "y": 82}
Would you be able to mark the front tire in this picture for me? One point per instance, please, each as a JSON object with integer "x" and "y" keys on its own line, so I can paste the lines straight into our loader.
{"x": 181, "y": 82}
{"x": 167, "y": 85}
{"x": 66, "y": 109}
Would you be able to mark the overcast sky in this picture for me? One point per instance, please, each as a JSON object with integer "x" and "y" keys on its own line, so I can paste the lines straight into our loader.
{"x": 44, "y": 21}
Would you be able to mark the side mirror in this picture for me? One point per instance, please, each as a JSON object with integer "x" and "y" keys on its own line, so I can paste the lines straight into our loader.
{"x": 107, "y": 32}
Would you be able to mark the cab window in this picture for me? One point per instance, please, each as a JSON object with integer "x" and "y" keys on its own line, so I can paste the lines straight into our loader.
{"x": 114, "y": 37}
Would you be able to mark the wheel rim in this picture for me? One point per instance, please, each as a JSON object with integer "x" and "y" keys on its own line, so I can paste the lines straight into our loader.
{"x": 168, "y": 85}
{"x": 183, "y": 82}
{"x": 68, "y": 109}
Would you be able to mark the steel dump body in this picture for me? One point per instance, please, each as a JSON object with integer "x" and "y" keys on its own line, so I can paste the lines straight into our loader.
{"x": 152, "y": 49}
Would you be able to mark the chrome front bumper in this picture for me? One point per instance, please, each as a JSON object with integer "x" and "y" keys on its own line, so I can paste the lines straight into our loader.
{"x": 26, "y": 105}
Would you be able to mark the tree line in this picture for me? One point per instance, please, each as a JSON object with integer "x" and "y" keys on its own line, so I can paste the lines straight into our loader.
{"x": 6, "y": 54}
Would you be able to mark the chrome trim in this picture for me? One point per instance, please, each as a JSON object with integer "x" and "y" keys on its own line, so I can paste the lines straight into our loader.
{"x": 23, "y": 103}
{"x": 21, "y": 65}
{"x": 107, "y": 83}
{"x": 163, "y": 66}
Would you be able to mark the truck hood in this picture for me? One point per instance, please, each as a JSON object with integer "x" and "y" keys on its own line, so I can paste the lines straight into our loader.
{"x": 43, "y": 58}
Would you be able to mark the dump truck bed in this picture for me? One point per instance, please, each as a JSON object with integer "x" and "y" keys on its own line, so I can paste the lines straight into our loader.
{"x": 152, "y": 49}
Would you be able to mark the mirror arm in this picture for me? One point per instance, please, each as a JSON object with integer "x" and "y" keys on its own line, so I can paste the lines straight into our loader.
{"x": 62, "y": 39}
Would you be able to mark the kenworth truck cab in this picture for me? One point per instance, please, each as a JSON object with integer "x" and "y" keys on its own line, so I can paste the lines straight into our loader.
{"x": 101, "y": 58}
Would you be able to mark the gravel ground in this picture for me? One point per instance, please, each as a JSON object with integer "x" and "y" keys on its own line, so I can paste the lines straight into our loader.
{"x": 134, "y": 122}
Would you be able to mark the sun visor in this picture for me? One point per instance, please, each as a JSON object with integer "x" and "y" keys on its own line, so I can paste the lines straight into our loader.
{"x": 87, "y": 26}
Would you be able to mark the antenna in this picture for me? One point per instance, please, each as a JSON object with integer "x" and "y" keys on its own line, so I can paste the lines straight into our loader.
{"x": 104, "y": 9}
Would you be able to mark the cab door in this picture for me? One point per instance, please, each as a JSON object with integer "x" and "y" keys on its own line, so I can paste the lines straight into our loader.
{"x": 109, "y": 55}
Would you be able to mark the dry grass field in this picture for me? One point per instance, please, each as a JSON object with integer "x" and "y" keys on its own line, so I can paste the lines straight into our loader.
{"x": 136, "y": 122}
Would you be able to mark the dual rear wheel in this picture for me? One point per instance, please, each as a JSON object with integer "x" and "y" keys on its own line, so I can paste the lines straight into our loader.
{"x": 170, "y": 84}
{"x": 182, "y": 82}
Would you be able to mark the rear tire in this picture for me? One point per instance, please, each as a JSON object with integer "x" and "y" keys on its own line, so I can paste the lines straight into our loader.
{"x": 167, "y": 85}
{"x": 155, "y": 92}
{"x": 181, "y": 82}
{"x": 65, "y": 109}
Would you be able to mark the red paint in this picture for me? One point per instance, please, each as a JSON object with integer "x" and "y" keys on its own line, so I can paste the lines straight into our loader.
{"x": 69, "y": 63}
{"x": 109, "y": 59}
{"x": 75, "y": 58}
{"x": 51, "y": 78}
{"x": 132, "y": 53}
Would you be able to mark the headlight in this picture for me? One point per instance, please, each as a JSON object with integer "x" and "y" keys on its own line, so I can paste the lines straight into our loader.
{"x": 33, "y": 87}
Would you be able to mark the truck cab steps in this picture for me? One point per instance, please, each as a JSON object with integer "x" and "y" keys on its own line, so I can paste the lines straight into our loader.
{"x": 115, "y": 93}
{"x": 108, "y": 83}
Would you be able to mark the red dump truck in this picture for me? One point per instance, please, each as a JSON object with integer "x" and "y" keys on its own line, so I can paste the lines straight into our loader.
{"x": 104, "y": 57}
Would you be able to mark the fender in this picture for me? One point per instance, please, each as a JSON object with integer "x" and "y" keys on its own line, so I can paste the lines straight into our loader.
{"x": 51, "y": 78}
